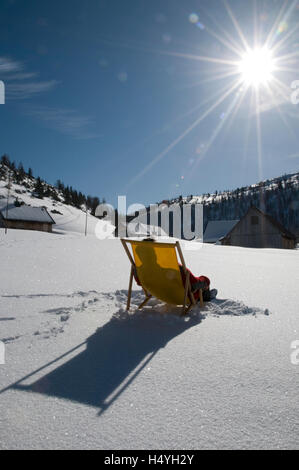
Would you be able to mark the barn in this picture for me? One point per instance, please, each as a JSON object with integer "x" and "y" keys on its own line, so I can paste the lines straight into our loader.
{"x": 259, "y": 230}
{"x": 26, "y": 218}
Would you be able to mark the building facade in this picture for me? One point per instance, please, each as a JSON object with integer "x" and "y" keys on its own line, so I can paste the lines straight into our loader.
{"x": 259, "y": 230}
{"x": 26, "y": 218}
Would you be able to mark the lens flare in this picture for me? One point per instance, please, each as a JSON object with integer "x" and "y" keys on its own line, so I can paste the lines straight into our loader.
{"x": 193, "y": 18}
{"x": 282, "y": 27}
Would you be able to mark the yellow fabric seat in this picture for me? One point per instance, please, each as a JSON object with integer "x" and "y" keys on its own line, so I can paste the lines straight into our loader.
{"x": 156, "y": 267}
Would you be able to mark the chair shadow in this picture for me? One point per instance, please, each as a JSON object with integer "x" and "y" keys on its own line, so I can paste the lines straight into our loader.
{"x": 118, "y": 351}
{"x": 115, "y": 354}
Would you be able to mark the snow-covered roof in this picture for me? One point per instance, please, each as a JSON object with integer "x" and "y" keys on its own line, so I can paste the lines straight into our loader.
{"x": 28, "y": 214}
{"x": 217, "y": 229}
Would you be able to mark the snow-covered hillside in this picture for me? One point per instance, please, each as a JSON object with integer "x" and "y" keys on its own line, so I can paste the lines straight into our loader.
{"x": 81, "y": 372}
{"x": 67, "y": 218}
{"x": 278, "y": 197}
{"x": 282, "y": 182}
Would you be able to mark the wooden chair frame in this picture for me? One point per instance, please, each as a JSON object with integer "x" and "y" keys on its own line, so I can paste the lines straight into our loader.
{"x": 188, "y": 292}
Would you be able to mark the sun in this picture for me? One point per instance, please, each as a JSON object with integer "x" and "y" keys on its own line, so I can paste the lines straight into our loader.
{"x": 257, "y": 66}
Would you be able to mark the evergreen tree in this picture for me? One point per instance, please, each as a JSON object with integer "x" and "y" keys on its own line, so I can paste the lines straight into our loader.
{"x": 17, "y": 203}
{"x": 5, "y": 160}
{"x": 39, "y": 188}
{"x": 21, "y": 170}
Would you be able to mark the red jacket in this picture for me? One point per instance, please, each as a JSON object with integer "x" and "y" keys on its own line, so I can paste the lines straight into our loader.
{"x": 196, "y": 279}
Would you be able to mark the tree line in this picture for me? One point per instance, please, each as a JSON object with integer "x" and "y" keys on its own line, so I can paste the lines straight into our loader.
{"x": 40, "y": 189}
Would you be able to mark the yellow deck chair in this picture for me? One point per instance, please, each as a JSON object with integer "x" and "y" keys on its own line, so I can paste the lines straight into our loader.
{"x": 156, "y": 266}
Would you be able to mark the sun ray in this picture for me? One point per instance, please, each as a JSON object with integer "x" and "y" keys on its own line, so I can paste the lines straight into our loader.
{"x": 213, "y": 97}
{"x": 231, "y": 109}
{"x": 242, "y": 95}
{"x": 233, "y": 44}
{"x": 236, "y": 25}
{"x": 160, "y": 131}
{"x": 270, "y": 36}
{"x": 280, "y": 43}
{"x": 284, "y": 90}
{"x": 248, "y": 127}
{"x": 259, "y": 135}
{"x": 287, "y": 69}
{"x": 210, "y": 79}
{"x": 277, "y": 106}
{"x": 213, "y": 60}
{"x": 184, "y": 134}
{"x": 255, "y": 33}
{"x": 282, "y": 58}
{"x": 224, "y": 42}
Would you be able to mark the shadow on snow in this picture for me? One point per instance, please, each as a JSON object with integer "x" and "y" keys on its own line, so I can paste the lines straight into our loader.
{"x": 117, "y": 352}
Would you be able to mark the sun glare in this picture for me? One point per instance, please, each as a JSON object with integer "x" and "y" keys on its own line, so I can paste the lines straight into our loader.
{"x": 257, "y": 66}
{"x": 257, "y": 78}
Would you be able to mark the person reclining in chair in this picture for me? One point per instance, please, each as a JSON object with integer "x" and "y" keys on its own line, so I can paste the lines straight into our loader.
{"x": 200, "y": 282}
{"x": 196, "y": 282}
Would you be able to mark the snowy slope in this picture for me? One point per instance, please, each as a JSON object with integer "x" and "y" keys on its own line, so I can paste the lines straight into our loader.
{"x": 285, "y": 181}
{"x": 66, "y": 217}
{"x": 80, "y": 372}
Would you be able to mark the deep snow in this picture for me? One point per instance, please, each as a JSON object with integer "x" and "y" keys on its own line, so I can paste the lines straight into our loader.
{"x": 220, "y": 378}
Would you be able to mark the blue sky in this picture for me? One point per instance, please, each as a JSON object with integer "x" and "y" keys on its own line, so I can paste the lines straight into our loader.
{"x": 128, "y": 97}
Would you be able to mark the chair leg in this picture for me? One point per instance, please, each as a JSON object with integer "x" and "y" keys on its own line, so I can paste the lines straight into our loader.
{"x": 188, "y": 308}
{"x": 201, "y": 298}
{"x": 130, "y": 289}
{"x": 144, "y": 302}
{"x": 186, "y": 293}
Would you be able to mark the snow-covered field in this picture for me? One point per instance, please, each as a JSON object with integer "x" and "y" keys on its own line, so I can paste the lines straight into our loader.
{"x": 80, "y": 372}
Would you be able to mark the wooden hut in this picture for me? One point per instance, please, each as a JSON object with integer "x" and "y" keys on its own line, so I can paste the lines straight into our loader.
{"x": 26, "y": 218}
{"x": 259, "y": 230}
